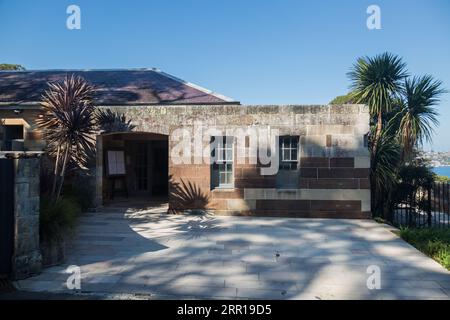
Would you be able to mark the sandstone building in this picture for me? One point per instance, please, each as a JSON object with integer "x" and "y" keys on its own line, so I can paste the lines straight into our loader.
{"x": 202, "y": 151}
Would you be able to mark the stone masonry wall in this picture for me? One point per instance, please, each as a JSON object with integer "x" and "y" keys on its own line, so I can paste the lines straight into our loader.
{"x": 27, "y": 257}
{"x": 333, "y": 175}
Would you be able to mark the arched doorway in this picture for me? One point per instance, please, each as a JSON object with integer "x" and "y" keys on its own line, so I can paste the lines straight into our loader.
{"x": 132, "y": 168}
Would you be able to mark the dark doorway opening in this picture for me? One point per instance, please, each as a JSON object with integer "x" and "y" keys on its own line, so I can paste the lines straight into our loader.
{"x": 146, "y": 165}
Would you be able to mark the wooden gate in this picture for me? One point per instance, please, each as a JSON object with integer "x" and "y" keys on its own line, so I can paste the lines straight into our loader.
{"x": 6, "y": 215}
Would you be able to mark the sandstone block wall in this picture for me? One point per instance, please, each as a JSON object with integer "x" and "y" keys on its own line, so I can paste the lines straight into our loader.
{"x": 333, "y": 175}
{"x": 27, "y": 258}
{"x": 334, "y": 163}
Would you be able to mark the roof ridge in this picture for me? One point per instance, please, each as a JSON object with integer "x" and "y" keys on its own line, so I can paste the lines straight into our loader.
{"x": 195, "y": 86}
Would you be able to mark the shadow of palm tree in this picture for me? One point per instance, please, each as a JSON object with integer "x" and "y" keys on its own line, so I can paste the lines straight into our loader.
{"x": 186, "y": 196}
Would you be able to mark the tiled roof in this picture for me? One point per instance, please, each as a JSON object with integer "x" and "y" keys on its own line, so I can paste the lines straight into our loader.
{"x": 113, "y": 87}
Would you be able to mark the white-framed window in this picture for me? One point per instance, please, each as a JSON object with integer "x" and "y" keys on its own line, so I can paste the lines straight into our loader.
{"x": 222, "y": 164}
{"x": 288, "y": 146}
{"x": 288, "y": 175}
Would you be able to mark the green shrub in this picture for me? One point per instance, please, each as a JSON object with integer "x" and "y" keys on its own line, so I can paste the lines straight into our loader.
{"x": 444, "y": 179}
{"x": 57, "y": 218}
{"x": 343, "y": 99}
{"x": 81, "y": 194}
{"x": 379, "y": 220}
{"x": 435, "y": 243}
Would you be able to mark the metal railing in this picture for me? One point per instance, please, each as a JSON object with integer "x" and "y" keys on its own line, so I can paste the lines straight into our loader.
{"x": 424, "y": 208}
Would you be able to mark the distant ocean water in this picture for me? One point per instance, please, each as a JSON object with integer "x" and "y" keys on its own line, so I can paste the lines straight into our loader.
{"x": 442, "y": 171}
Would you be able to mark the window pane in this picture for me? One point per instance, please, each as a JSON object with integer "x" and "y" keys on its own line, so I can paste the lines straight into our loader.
{"x": 288, "y": 142}
{"x": 223, "y": 174}
{"x": 229, "y": 155}
{"x": 229, "y": 178}
{"x": 286, "y": 155}
{"x": 294, "y": 154}
{"x": 288, "y": 151}
{"x": 219, "y": 154}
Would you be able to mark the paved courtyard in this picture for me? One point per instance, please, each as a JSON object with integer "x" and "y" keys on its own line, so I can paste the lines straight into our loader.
{"x": 154, "y": 255}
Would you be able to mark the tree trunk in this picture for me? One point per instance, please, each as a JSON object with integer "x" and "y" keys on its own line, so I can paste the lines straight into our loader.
{"x": 55, "y": 173}
{"x": 63, "y": 171}
{"x": 378, "y": 132}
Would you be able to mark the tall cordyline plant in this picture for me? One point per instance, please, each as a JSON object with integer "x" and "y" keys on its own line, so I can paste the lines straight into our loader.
{"x": 417, "y": 116}
{"x": 377, "y": 82}
{"x": 402, "y": 118}
{"x": 68, "y": 124}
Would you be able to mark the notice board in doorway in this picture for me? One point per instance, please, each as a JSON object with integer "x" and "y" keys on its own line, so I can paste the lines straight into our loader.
{"x": 115, "y": 163}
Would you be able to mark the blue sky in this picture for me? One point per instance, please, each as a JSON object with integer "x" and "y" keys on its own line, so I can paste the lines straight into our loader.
{"x": 256, "y": 51}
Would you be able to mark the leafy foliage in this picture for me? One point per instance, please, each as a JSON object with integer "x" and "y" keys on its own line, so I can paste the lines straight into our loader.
{"x": 68, "y": 123}
{"x": 56, "y": 218}
{"x": 376, "y": 81}
{"x": 402, "y": 117}
{"x": 443, "y": 179}
{"x": 384, "y": 162}
{"x": 343, "y": 99}
{"x": 417, "y": 115}
{"x": 412, "y": 177}
{"x": 12, "y": 67}
{"x": 435, "y": 243}
{"x": 82, "y": 195}
{"x": 110, "y": 121}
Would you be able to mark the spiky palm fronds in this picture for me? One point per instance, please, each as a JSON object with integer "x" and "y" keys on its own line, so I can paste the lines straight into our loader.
{"x": 68, "y": 123}
{"x": 385, "y": 161}
{"x": 384, "y": 170}
{"x": 111, "y": 121}
{"x": 418, "y": 116}
{"x": 377, "y": 82}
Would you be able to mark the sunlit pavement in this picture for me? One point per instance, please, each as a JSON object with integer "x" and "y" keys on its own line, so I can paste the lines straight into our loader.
{"x": 154, "y": 255}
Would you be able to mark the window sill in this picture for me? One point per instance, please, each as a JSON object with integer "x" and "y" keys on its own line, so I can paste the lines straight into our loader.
{"x": 230, "y": 189}
{"x": 288, "y": 190}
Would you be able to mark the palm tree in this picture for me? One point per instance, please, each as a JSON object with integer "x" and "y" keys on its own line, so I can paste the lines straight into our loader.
{"x": 384, "y": 166}
{"x": 68, "y": 123}
{"x": 402, "y": 118}
{"x": 417, "y": 114}
{"x": 377, "y": 82}
{"x": 111, "y": 121}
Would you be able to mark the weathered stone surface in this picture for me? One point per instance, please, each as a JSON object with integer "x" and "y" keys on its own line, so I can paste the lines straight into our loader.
{"x": 27, "y": 258}
{"x": 330, "y": 136}
{"x": 27, "y": 265}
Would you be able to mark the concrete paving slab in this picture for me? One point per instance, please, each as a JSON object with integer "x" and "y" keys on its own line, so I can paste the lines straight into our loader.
{"x": 158, "y": 256}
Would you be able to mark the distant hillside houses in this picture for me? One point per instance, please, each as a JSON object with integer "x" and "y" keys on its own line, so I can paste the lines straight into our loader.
{"x": 437, "y": 159}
